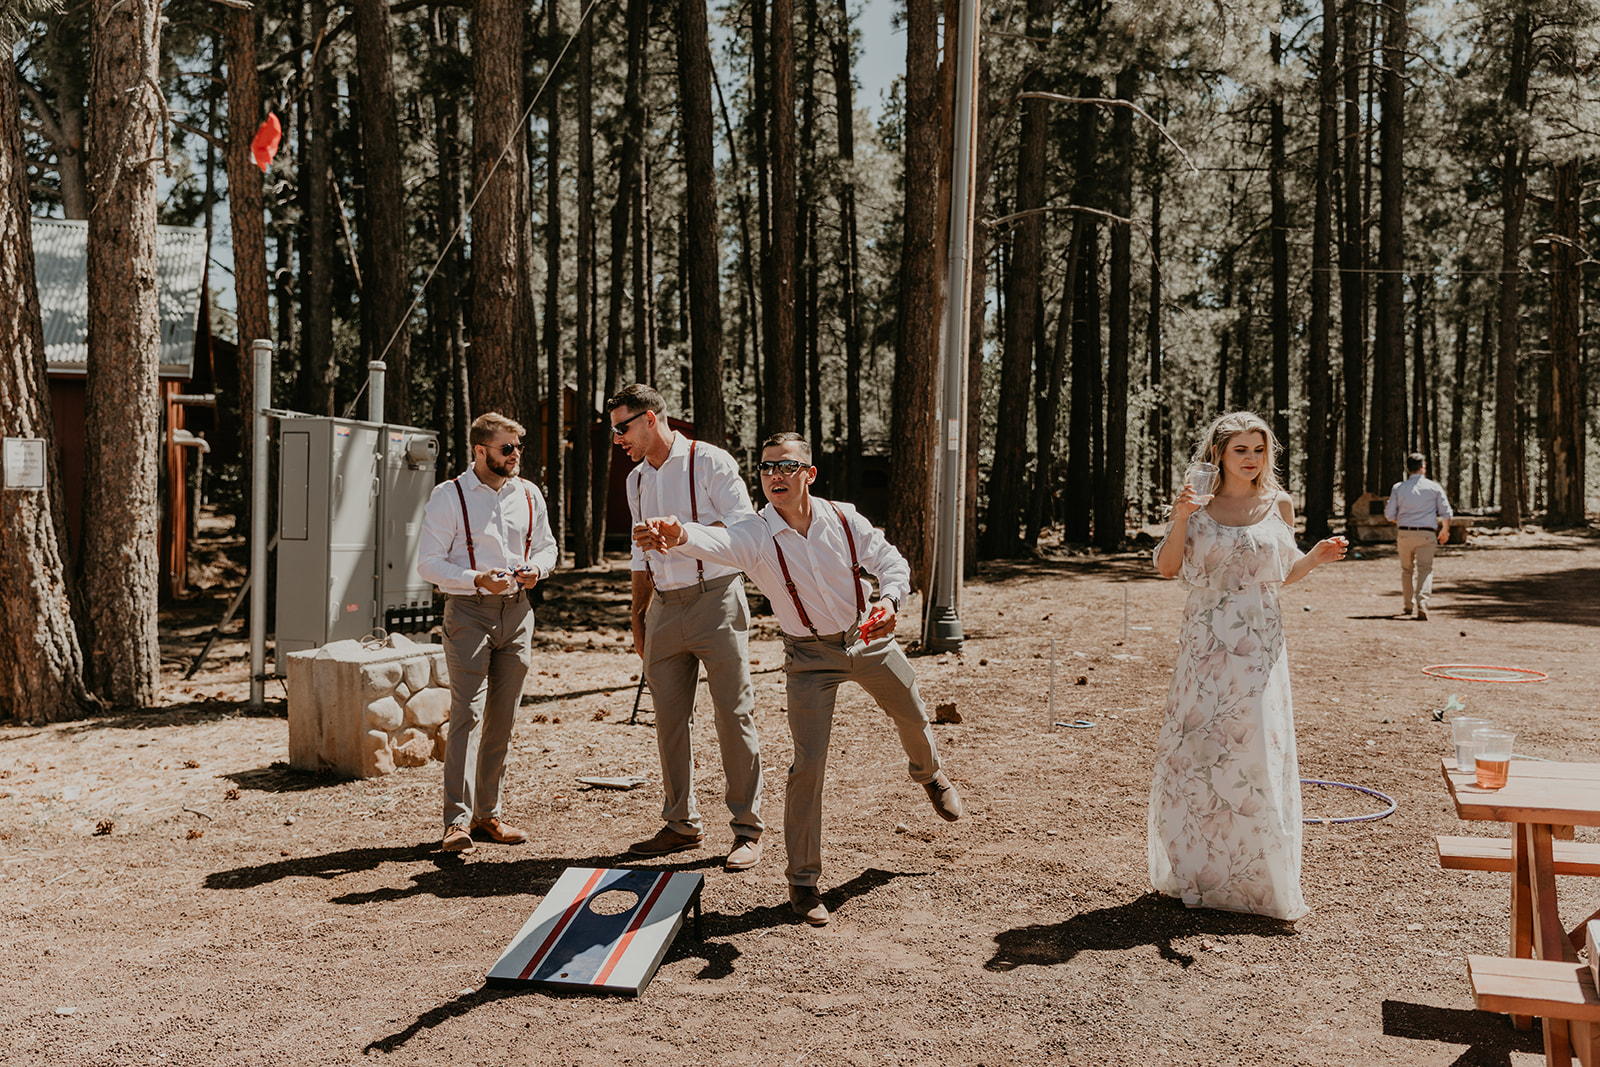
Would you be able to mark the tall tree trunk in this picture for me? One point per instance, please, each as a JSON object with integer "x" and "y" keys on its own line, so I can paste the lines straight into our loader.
{"x": 318, "y": 374}
{"x": 389, "y": 289}
{"x": 122, "y": 404}
{"x": 1352, "y": 276}
{"x": 1567, "y": 387}
{"x": 492, "y": 357}
{"x": 760, "y": 120}
{"x": 450, "y": 317}
{"x": 245, "y": 212}
{"x": 585, "y": 520}
{"x": 783, "y": 406}
{"x": 748, "y": 303}
{"x": 41, "y": 662}
{"x": 1083, "y": 420}
{"x": 910, "y": 524}
{"x": 1159, "y": 440}
{"x": 1458, "y": 393}
{"x": 1486, "y": 364}
{"x": 1320, "y": 431}
{"x": 1052, "y": 373}
{"x": 555, "y": 473}
{"x": 1513, "y": 195}
{"x": 1276, "y": 168}
{"x": 705, "y": 292}
{"x": 1110, "y": 520}
{"x": 1008, "y": 484}
{"x": 849, "y": 250}
{"x": 1389, "y": 364}
{"x": 639, "y": 239}
{"x": 979, "y": 258}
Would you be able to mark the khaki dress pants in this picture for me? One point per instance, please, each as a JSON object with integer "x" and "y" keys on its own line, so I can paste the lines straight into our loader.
{"x": 486, "y": 647}
{"x": 1416, "y": 553}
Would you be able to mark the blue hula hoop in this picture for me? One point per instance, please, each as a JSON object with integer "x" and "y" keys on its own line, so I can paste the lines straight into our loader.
{"x": 1351, "y": 818}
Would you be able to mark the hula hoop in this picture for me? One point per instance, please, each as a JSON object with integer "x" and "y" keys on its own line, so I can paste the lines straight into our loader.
{"x": 1462, "y": 672}
{"x": 1351, "y": 818}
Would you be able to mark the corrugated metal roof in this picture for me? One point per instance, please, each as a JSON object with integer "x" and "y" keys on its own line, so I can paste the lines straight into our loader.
{"x": 61, "y": 261}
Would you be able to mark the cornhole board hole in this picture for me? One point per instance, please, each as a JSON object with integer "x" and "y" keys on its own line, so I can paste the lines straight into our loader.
{"x": 601, "y": 930}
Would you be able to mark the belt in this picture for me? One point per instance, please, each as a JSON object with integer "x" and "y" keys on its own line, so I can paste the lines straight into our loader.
{"x": 690, "y": 592}
{"x": 1429, "y": 529}
{"x": 844, "y": 640}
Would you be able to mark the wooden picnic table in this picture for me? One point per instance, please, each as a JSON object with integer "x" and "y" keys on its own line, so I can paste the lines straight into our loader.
{"x": 1537, "y": 798}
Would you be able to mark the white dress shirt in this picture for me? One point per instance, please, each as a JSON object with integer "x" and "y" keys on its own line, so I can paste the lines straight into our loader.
{"x": 720, "y": 495}
{"x": 1417, "y": 502}
{"x": 819, "y": 563}
{"x": 501, "y": 522}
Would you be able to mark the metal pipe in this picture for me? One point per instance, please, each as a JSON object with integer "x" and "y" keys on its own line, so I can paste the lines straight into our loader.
{"x": 376, "y": 370}
{"x": 261, "y": 355}
{"x": 941, "y": 621}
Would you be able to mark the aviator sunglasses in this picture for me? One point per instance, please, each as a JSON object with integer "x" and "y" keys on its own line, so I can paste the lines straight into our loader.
{"x": 621, "y": 428}
{"x": 781, "y": 466}
{"x": 509, "y": 450}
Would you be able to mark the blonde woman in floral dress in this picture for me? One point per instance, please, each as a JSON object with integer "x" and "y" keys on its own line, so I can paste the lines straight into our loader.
{"x": 1225, "y": 805}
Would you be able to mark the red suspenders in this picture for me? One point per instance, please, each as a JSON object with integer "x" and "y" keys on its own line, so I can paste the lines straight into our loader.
{"x": 855, "y": 574}
{"x": 466, "y": 524}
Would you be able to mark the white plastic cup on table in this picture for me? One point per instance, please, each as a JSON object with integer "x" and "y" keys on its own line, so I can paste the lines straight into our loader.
{"x": 1203, "y": 477}
{"x": 1461, "y": 728}
{"x": 1492, "y": 756}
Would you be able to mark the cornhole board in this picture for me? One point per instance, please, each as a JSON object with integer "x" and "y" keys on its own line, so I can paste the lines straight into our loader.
{"x": 568, "y": 944}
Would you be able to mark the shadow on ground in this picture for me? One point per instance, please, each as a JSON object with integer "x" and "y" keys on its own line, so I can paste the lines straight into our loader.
{"x": 1489, "y": 1037}
{"x": 1567, "y": 596}
{"x": 1153, "y": 919}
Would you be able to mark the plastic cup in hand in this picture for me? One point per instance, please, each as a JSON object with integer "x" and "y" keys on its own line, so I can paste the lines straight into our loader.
{"x": 1202, "y": 477}
{"x": 1461, "y": 728}
{"x": 1492, "y": 756}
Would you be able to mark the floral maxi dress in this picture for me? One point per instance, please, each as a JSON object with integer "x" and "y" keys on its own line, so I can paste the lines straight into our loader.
{"x": 1225, "y": 804}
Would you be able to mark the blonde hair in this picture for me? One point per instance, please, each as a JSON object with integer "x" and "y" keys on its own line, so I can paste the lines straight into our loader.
{"x": 489, "y": 425}
{"x": 1213, "y": 442}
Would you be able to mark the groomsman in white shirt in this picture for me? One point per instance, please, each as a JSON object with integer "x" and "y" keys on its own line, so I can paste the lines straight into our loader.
{"x": 687, "y": 612}
{"x": 485, "y": 540}
{"x": 807, "y": 555}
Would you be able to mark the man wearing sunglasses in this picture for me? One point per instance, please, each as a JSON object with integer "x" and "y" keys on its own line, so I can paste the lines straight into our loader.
{"x": 808, "y": 555}
{"x": 685, "y": 613}
{"x": 485, "y": 540}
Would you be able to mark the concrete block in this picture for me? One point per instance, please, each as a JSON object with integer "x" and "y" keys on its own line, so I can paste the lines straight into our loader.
{"x": 350, "y": 707}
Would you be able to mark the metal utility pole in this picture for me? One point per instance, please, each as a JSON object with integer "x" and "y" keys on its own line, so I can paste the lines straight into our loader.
{"x": 941, "y": 621}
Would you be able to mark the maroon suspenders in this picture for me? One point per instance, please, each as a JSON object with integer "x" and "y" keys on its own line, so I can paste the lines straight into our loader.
{"x": 855, "y": 574}
{"x": 466, "y": 525}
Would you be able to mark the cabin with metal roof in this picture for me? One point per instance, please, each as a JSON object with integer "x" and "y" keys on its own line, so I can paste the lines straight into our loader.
{"x": 187, "y": 372}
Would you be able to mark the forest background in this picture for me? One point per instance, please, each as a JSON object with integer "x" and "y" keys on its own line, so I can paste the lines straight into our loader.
{"x": 1368, "y": 221}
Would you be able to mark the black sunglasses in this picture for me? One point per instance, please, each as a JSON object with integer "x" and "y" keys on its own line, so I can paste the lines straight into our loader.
{"x": 509, "y": 450}
{"x": 622, "y": 427}
{"x": 782, "y": 466}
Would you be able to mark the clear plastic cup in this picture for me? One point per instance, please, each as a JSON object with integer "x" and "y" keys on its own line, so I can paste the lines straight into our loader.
{"x": 1203, "y": 478}
{"x": 1461, "y": 728}
{"x": 1492, "y": 756}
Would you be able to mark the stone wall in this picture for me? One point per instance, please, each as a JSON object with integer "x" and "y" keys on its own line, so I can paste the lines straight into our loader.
{"x": 365, "y": 707}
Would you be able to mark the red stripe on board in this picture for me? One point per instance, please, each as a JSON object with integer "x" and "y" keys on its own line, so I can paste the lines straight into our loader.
{"x": 566, "y": 918}
{"x": 633, "y": 927}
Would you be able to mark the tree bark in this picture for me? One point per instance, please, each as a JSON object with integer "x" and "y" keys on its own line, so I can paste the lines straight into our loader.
{"x": 1566, "y": 433}
{"x": 1389, "y": 362}
{"x": 41, "y": 662}
{"x": 1320, "y": 431}
{"x": 388, "y": 291}
{"x": 1276, "y": 168}
{"x": 979, "y": 258}
{"x": 492, "y": 358}
{"x": 910, "y": 525}
{"x": 245, "y": 215}
{"x": 122, "y": 404}
{"x": 1352, "y": 277}
{"x": 705, "y": 289}
{"x": 849, "y": 248}
{"x": 783, "y": 406}
{"x": 1110, "y": 525}
{"x": 584, "y": 518}
{"x": 1513, "y": 195}
{"x": 556, "y": 471}
{"x": 318, "y": 373}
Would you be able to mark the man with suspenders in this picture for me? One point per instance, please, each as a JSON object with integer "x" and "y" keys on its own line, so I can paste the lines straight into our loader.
{"x": 807, "y": 555}
{"x": 685, "y": 613}
{"x": 485, "y": 540}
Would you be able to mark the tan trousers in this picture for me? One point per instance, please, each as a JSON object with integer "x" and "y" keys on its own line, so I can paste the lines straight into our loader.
{"x": 1416, "y": 552}
{"x": 816, "y": 667}
{"x": 486, "y": 647}
{"x": 683, "y": 629}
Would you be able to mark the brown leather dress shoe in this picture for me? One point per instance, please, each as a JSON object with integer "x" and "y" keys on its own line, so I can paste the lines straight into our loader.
{"x": 804, "y": 902}
{"x": 456, "y": 839}
{"x": 666, "y": 840}
{"x": 746, "y": 854}
{"x": 495, "y": 830}
{"x": 945, "y": 799}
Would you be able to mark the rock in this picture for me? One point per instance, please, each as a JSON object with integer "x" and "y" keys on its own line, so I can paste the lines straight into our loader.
{"x": 946, "y": 713}
{"x": 428, "y": 708}
{"x": 412, "y": 749}
{"x": 385, "y": 714}
{"x": 418, "y": 671}
{"x": 441, "y": 672}
{"x": 378, "y": 759}
{"x": 379, "y": 679}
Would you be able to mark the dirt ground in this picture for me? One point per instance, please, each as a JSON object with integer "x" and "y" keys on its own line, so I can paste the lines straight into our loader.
{"x": 172, "y": 893}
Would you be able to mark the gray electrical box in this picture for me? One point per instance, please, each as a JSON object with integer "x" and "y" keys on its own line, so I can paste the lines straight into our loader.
{"x": 350, "y": 501}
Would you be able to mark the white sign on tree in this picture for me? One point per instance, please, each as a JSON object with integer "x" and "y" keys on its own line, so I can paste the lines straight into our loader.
{"x": 24, "y": 463}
